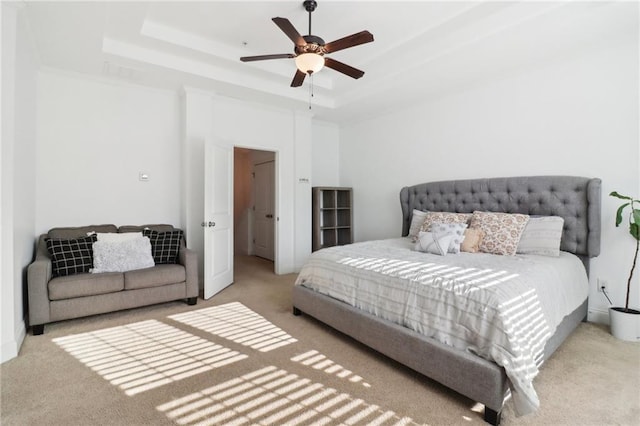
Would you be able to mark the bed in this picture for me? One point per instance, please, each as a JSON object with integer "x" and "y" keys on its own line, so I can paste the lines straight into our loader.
{"x": 469, "y": 372}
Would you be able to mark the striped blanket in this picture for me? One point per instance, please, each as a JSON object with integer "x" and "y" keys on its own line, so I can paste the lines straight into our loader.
{"x": 502, "y": 308}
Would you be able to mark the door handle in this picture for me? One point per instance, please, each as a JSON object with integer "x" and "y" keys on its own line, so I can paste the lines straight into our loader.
{"x": 208, "y": 224}
{"x": 268, "y": 215}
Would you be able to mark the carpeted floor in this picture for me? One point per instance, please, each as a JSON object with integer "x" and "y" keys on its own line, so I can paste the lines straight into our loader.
{"x": 243, "y": 358}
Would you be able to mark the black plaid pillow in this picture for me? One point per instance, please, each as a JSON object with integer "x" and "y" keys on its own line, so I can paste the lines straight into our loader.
{"x": 164, "y": 245}
{"x": 70, "y": 257}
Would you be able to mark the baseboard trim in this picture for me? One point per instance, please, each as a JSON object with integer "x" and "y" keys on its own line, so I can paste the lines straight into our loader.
{"x": 598, "y": 316}
{"x": 11, "y": 348}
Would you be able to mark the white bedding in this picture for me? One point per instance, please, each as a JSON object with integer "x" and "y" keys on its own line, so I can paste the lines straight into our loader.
{"x": 502, "y": 308}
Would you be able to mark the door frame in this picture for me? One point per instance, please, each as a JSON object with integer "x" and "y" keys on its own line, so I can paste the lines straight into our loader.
{"x": 276, "y": 201}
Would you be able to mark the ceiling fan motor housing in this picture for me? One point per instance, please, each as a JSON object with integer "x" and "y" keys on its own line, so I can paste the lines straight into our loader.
{"x": 314, "y": 45}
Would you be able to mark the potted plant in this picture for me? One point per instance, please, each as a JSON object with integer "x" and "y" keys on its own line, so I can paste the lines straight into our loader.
{"x": 625, "y": 322}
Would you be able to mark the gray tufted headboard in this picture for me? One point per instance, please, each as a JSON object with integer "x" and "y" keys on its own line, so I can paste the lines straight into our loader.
{"x": 576, "y": 199}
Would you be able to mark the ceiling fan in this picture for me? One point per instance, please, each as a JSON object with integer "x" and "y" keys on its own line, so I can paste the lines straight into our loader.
{"x": 310, "y": 50}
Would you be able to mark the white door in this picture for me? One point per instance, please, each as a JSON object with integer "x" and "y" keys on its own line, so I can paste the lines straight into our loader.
{"x": 218, "y": 219}
{"x": 263, "y": 217}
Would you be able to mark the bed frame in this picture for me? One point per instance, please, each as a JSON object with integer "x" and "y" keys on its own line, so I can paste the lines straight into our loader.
{"x": 576, "y": 199}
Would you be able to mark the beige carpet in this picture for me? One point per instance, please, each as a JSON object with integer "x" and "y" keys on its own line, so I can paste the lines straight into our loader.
{"x": 243, "y": 358}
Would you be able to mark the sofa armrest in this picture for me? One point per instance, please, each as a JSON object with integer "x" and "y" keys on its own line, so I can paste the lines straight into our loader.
{"x": 39, "y": 274}
{"x": 189, "y": 259}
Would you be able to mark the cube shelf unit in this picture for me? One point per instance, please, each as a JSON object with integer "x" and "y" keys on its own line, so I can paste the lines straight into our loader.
{"x": 332, "y": 217}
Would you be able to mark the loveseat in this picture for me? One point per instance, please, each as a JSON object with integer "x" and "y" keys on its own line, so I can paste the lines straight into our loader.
{"x": 55, "y": 293}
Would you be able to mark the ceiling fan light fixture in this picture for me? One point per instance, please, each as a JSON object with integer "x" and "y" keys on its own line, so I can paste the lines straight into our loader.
{"x": 309, "y": 63}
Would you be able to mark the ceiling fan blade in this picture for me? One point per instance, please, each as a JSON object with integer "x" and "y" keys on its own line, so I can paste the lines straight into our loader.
{"x": 265, "y": 57}
{"x": 343, "y": 68}
{"x": 298, "y": 79}
{"x": 349, "y": 41}
{"x": 291, "y": 32}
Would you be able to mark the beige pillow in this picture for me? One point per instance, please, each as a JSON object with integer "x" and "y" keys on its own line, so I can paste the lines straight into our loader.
{"x": 502, "y": 231}
{"x": 472, "y": 240}
{"x": 443, "y": 217}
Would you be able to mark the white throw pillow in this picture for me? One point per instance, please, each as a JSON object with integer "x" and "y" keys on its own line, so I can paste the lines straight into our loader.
{"x": 122, "y": 256}
{"x": 433, "y": 242}
{"x": 116, "y": 237}
{"x": 457, "y": 229}
{"x": 417, "y": 218}
{"x": 541, "y": 236}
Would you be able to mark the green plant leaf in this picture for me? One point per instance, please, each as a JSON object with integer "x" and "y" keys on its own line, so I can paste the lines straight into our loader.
{"x": 619, "y": 213}
{"x": 623, "y": 197}
{"x": 636, "y": 215}
{"x": 634, "y": 230}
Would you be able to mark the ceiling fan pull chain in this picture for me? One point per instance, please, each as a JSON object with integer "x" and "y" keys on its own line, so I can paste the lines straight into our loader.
{"x": 310, "y": 89}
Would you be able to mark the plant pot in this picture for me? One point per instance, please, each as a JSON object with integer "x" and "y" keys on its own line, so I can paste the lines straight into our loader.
{"x": 625, "y": 325}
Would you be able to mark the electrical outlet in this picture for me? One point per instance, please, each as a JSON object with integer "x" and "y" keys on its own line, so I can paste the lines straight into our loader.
{"x": 602, "y": 285}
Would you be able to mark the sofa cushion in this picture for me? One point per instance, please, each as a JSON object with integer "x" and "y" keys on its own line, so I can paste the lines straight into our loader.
{"x": 157, "y": 276}
{"x": 81, "y": 231}
{"x": 81, "y": 285}
{"x": 139, "y": 228}
{"x": 70, "y": 256}
{"x": 164, "y": 245}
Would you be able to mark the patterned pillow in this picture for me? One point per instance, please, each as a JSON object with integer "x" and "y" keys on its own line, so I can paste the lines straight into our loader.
{"x": 71, "y": 256}
{"x": 122, "y": 256}
{"x": 444, "y": 217}
{"x": 164, "y": 245}
{"x": 502, "y": 231}
{"x": 457, "y": 229}
{"x": 433, "y": 242}
{"x": 417, "y": 217}
{"x": 472, "y": 240}
{"x": 542, "y": 236}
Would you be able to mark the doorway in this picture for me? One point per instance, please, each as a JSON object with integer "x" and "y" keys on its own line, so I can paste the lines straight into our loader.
{"x": 254, "y": 202}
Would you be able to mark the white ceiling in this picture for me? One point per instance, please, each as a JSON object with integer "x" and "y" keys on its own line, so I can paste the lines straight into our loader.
{"x": 421, "y": 48}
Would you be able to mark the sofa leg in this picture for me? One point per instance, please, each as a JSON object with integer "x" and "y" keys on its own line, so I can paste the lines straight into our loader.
{"x": 296, "y": 311}
{"x": 37, "y": 329}
{"x": 192, "y": 301}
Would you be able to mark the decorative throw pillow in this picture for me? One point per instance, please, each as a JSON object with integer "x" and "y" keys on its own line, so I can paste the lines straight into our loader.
{"x": 417, "y": 217}
{"x": 457, "y": 229}
{"x": 122, "y": 256}
{"x": 541, "y": 236}
{"x": 443, "y": 217}
{"x": 472, "y": 240}
{"x": 116, "y": 237}
{"x": 72, "y": 256}
{"x": 502, "y": 231}
{"x": 164, "y": 245}
{"x": 433, "y": 242}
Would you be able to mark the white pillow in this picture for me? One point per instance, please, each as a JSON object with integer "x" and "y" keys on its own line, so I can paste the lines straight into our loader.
{"x": 116, "y": 237}
{"x": 457, "y": 229}
{"x": 433, "y": 242}
{"x": 122, "y": 256}
{"x": 541, "y": 236}
{"x": 417, "y": 218}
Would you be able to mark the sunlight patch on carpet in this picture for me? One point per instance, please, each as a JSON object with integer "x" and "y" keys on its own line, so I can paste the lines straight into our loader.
{"x": 237, "y": 323}
{"x": 272, "y": 396}
{"x": 145, "y": 355}
{"x": 317, "y": 361}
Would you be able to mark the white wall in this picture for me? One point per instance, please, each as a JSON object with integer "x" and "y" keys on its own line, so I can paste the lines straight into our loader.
{"x": 574, "y": 116}
{"x": 94, "y": 138}
{"x": 17, "y": 167}
{"x": 325, "y": 153}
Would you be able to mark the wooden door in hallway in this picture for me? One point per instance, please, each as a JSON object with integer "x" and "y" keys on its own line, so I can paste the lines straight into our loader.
{"x": 264, "y": 216}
